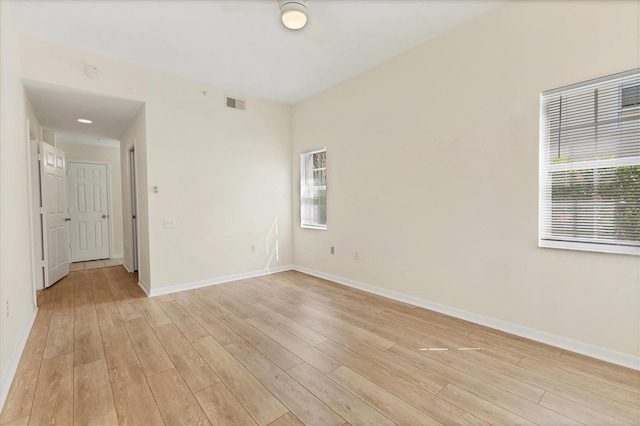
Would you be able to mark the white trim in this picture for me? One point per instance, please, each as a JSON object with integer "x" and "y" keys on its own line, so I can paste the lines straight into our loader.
{"x": 314, "y": 151}
{"x": 595, "y": 247}
{"x": 110, "y": 201}
{"x": 587, "y": 349}
{"x": 144, "y": 286}
{"x": 14, "y": 359}
{"x": 219, "y": 280}
{"x": 134, "y": 194}
{"x": 35, "y": 264}
{"x": 318, "y": 227}
{"x": 127, "y": 267}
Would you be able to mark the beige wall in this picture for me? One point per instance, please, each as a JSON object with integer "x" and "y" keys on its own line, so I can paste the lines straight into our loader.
{"x": 16, "y": 282}
{"x": 433, "y": 172}
{"x": 108, "y": 155}
{"x": 222, "y": 174}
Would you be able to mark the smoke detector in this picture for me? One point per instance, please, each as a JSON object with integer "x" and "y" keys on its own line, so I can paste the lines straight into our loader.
{"x": 91, "y": 71}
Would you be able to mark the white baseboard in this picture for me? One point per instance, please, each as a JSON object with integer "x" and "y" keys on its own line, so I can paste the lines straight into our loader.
{"x": 117, "y": 256}
{"x": 219, "y": 280}
{"x": 587, "y": 349}
{"x": 144, "y": 286}
{"x": 14, "y": 359}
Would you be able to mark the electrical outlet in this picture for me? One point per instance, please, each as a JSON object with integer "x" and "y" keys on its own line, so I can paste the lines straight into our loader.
{"x": 356, "y": 256}
{"x": 253, "y": 248}
{"x": 169, "y": 222}
{"x": 333, "y": 250}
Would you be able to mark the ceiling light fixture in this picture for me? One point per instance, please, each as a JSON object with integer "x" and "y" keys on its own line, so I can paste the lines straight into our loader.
{"x": 293, "y": 13}
{"x": 84, "y": 121}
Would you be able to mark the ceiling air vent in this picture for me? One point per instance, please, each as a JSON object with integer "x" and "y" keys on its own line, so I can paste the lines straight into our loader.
{"x": 235, "y": 103}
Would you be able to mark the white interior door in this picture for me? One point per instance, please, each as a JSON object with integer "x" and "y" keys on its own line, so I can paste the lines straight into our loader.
{"x": 54, "y": 213}
{"x": 89, "y": 211}
{"x": 36, "y": 202}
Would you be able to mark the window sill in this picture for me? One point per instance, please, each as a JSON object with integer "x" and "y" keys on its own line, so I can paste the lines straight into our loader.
{"x": 318, "y": 227}
{"x": 599, "y": 248}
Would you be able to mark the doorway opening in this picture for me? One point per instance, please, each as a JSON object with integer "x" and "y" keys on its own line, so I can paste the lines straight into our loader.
{"x": 88, "y": 163}
{"x": 134, "y": 207}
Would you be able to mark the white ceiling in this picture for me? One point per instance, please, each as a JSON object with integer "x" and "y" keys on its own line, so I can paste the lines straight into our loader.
{"x": 241, "y": 45}
{"x": 58, "y": 108}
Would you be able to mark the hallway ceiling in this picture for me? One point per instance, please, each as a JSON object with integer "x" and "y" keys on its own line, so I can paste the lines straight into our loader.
{"x": 241, "y": 45}
{"x": 58, "y": 108}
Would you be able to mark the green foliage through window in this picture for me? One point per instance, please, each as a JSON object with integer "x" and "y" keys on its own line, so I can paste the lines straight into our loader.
{"x": 608, "y": 197}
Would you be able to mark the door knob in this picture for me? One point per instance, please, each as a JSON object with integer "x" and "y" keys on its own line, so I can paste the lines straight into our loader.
{"x": 104, "y": 216}
{"x": 67, "y": 219}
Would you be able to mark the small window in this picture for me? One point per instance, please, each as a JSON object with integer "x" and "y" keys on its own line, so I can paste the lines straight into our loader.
{"x": 590, "y": 165}
{"x": 313, "y": 189}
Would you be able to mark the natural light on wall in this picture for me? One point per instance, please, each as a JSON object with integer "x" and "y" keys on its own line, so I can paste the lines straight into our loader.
{"x": 590, "y": 165}
{"x": 272, "y": 247}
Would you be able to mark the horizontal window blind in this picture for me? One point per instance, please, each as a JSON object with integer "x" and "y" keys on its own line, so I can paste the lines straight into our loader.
{"x": 313, "y": 189}
{"x": 590, "y": 165}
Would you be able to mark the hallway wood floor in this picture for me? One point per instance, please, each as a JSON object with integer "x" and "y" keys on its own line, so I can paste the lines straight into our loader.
{"x": 290, "y": 349}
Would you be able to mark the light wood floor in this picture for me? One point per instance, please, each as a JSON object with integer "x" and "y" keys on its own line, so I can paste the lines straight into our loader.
{"x": 288, "y": 349}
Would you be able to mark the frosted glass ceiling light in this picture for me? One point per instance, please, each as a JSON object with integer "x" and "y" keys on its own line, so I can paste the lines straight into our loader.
{"x": 294, "y": 13}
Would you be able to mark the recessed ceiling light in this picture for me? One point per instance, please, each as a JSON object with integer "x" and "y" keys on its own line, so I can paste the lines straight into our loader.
{"x": 294, "y": 13}
{"x": 84, "y": 120}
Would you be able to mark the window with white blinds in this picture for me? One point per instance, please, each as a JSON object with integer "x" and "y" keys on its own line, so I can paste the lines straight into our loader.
{"x": 590, "y": 165}
{"x": 313, "y": 189}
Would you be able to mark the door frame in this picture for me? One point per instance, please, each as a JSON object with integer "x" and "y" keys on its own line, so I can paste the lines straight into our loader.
{"x": 37, "y": 265}
{"x": 109, "y": 204}
{"x": 133, "y": 188}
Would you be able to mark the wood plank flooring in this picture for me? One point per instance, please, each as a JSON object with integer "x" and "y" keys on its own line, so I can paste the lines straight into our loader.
{"x": 290, "y": 349}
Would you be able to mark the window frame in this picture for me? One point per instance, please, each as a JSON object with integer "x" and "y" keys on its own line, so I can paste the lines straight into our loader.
{"x": 623, "y": 86}
{"x": 545, "y": 237}
{"x": 303, "y": 185}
